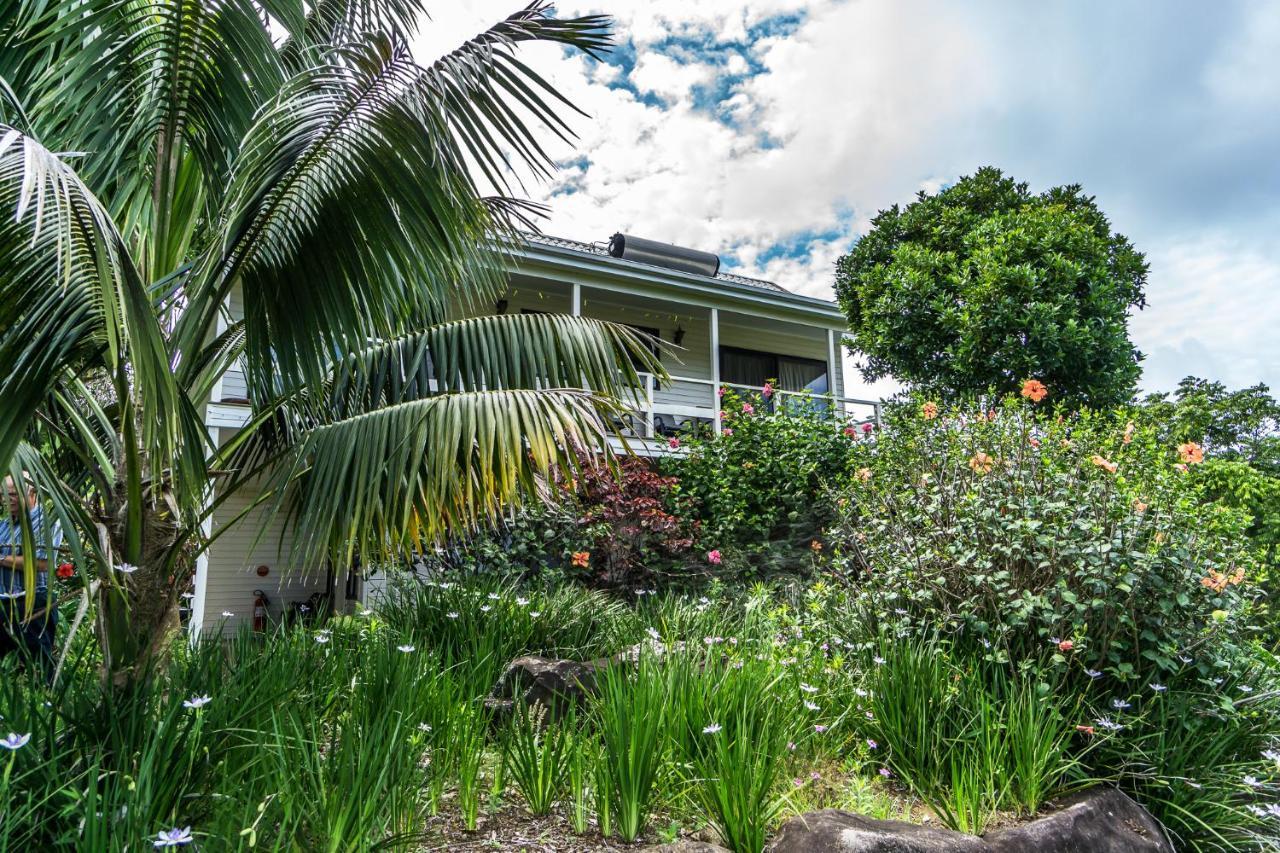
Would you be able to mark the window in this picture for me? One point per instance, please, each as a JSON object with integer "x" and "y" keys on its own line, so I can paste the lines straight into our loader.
{"x": 753, "y": 369}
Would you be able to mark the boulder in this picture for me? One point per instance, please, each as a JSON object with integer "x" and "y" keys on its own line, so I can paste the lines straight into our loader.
{"x": 836, "y": 831}
{"x": 1099, "y": 820}
{"x": 557, "y": 685}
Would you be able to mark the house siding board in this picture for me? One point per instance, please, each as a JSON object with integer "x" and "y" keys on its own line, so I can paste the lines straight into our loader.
{"x": 254, "y": 541}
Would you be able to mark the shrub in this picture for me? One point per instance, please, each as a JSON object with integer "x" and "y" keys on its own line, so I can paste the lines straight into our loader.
{"x": 761, "y": 489}
{"x": 1076, "y": 536}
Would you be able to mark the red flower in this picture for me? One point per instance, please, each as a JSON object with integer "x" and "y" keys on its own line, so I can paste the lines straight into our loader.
{"x": 1066, "y": 646}
{"x": 581, "y": 559}
{"x": 66, "y": 570}
{"x": 673, "y": 443}
{"x": 867, "y": 428}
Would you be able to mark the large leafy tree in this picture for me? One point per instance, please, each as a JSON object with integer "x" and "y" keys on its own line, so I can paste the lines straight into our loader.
{"x": 984, "y": 284}
{"x": 1239, "y": 431}
{"x": 157, "y": 155}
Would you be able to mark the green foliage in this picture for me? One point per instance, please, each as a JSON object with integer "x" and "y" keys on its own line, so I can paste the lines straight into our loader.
{"x": 983, "y": 284}
{"x": 537, "y": 754}
{"x": 1240, "y": 433}
{"x": 631, "y": 714}
{"x": 760, "y": 489}
{"x": 732, "y": 738}
{"x": 743, "y": 706}
{"x": 1012, "y": 527}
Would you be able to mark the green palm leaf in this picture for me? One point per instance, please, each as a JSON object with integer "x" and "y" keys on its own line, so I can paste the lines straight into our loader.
{"x": 388, "y": 482}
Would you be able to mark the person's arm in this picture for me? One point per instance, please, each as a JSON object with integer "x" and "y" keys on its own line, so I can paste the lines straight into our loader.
{"x": 16, "y": 562}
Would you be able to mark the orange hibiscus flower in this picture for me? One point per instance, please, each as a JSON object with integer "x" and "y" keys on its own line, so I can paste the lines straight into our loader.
{"x": 1034, "y": 390}
{"x": 981, "y": 463}
{"x": 1191, "y": 453}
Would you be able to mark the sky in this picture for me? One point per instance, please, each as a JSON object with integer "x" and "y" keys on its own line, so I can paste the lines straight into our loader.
{"x": 771, "y": 133}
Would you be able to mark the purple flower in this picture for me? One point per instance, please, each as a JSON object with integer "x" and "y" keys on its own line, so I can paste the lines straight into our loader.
{"x": 886, "y": 772}
{"x": 173, "y": 837}
{"x": 15, "y": 741}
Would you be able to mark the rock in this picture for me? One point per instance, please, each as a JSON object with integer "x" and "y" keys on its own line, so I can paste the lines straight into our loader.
{"x": 686, "y": 845}
{"x": 557, "y": 685}
{"x": 1099, "y": 820}
{"x": 835, "y": 831}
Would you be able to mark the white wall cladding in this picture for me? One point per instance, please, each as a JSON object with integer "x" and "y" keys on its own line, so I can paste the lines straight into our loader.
{"x": 254, "y": 541}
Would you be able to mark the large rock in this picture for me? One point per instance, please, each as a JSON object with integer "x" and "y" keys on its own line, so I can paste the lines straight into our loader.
{"x": 687, "y": 845}
{"x": 835, "y": 831}
{"x": 1099, "y": 820}
{"x": 557, "y": 685}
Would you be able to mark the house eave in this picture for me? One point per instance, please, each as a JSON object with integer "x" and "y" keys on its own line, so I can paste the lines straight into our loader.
{"x": 689, "y": 288}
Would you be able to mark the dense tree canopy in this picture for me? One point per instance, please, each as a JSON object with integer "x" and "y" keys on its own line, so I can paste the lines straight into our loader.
{"x": 984, "y": 284}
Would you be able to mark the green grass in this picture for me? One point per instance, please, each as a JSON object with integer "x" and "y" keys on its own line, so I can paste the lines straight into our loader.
{"x": 747, "y": 709}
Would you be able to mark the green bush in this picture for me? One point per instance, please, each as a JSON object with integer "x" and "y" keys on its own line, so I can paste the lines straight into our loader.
{"x": 761, "y": 488}
{"x": 1032, "y": 534}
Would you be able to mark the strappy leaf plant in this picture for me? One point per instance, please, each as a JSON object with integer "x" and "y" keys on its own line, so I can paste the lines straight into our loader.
{"x": 163, "y": 159}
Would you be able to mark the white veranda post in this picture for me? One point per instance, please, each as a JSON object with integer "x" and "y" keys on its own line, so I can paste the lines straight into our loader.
{"x": 715, "y": 366}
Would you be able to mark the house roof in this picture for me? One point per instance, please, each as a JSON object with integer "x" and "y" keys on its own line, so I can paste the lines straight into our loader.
{"x": 599, "y": 250}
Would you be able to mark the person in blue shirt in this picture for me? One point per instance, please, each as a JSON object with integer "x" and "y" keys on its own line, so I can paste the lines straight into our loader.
{"x": 28, "y": 632}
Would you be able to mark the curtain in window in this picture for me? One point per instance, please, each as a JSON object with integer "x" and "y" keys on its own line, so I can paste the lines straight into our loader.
{"x": 797, "y": 375}
{"x": 740, "y": 367}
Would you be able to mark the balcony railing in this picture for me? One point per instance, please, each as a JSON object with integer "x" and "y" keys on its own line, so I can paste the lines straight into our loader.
{"x": 663, "y": 409}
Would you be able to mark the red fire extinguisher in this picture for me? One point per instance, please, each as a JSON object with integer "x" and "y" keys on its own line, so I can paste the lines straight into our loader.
{"x": 259, "y": 611}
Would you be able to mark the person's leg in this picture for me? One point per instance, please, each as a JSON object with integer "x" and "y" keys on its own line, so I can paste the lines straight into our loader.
{"x": 39, "y": 633}
{"x": 9, "y": 631}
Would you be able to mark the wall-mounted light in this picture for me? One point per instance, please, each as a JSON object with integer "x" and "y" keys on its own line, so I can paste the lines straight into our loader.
{"x": 500, "y": 306}
{"x": 678, "y": 337}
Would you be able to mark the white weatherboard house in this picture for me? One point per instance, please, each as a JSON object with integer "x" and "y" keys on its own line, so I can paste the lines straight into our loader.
{"x": 721, "y": 330}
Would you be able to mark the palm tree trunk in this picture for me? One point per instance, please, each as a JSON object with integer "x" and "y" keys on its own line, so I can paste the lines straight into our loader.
{"x": 138, "y": 610}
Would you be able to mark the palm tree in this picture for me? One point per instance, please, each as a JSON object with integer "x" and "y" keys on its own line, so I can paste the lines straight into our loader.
{"x": 157, "y": 155}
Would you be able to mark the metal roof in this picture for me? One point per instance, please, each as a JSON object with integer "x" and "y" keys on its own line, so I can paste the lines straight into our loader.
{"x": 599, "y": 250}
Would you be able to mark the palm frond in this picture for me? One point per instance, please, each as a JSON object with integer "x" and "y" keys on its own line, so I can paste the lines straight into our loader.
{"x": 342, "y": 221}
{"x": 512, "y": 351}
{"x": 495, "y": 104}
{"x": 388, "y": 482}
{"x": 74, "y": 300}
{"x": 163, "y": 90}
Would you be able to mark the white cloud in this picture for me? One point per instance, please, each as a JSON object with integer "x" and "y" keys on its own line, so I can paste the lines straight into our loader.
{"x": 670, "y": 80}
{"x": 1170, "y": 121}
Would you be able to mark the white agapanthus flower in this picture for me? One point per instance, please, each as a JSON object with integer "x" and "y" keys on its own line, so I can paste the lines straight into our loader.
{"x": 15, "y": 741}
{"x": 406, "y": 648}
{"x": 712, "y": 729}
{"x": 173, "y": 837}
{"x": 126, "y": 568}
{"x": 196, "y": 702}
